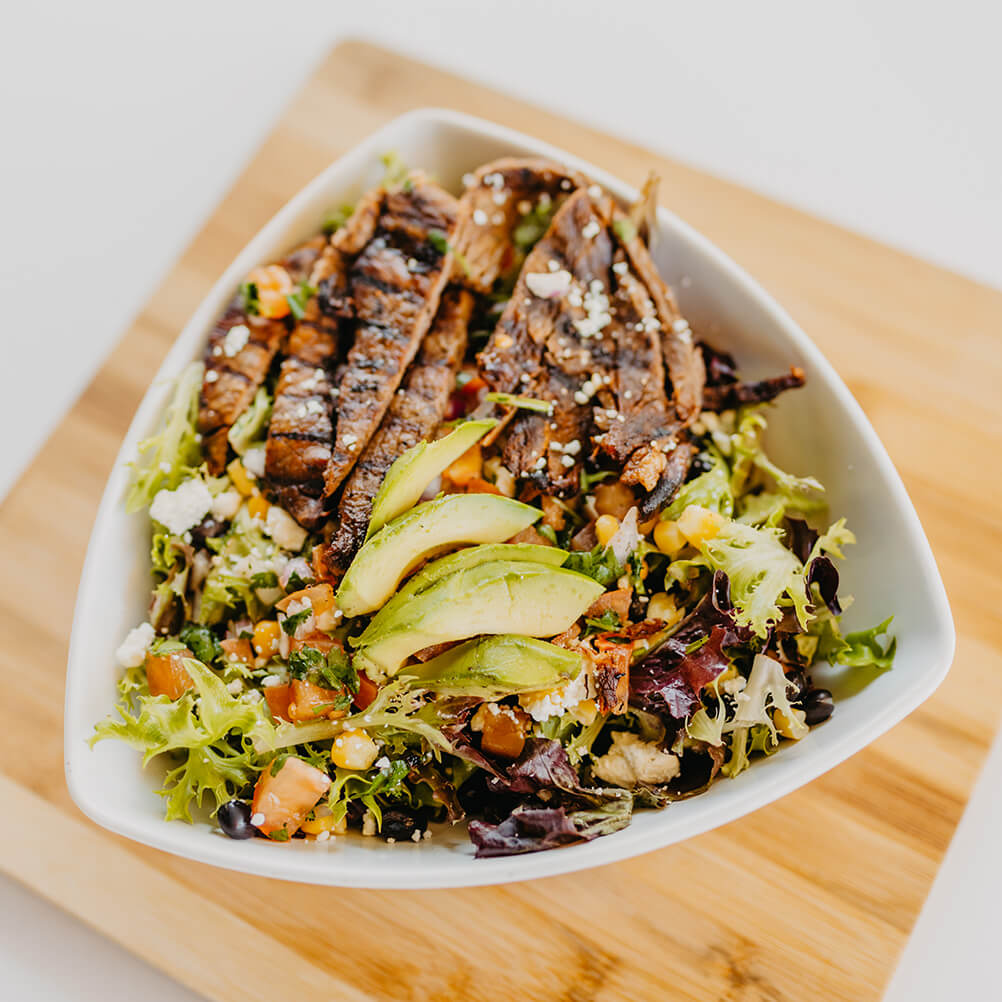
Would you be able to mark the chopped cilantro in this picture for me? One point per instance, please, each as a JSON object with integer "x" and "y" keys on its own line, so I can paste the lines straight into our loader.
{"x": 248, "y": 293}
{"x": 588, "y": 480}
{"x": 291, "y": 623}
{"x": 625, "y": 229}
{"x": 281, "y": 835}
{"x": 296, "y": 583}
{"x": 297, "y": 300}
{"x": 523, "y": 403}
{"x": 608, "y": 621}
{"x": 201, "y": 642}
{"x": 600, "y": 564}
{"x": 264, "y": 579}
{"x": 339, "y": 670}
{"x": 439, "y": 241}
{"x": 338, "y": 218}
{"x": 304, "y": 661}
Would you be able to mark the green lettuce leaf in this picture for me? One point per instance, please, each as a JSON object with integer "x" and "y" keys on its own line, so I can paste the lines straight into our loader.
{"x": 709, "y": 490}
{"x": 174, "y": 453}
{"x": 250, "y": 428}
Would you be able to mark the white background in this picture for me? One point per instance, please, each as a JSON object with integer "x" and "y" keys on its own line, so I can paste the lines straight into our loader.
{"x": 124, "y": 123}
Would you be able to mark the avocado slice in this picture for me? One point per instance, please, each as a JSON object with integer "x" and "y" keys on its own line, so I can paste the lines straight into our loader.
{"x": 470, "y": 556}
{"x": 410, "y": 474}
{"x": 492, "y": 667}
{"x": 381, "y": 563}
{"x": 499, "y": 596}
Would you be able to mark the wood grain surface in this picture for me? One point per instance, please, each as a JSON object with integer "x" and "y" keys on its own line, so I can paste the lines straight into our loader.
{"x": 810, "y": 898}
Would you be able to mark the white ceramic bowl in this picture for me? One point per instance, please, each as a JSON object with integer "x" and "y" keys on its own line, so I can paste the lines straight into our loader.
{"x": 819, "y": 430}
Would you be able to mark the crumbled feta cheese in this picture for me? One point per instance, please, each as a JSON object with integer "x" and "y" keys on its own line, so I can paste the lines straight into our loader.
{"x": 350, "y": 440}
{"x": 594, "y": 191}
{"x": 620, "y": 267}
{"x": 573, "y": 447}
{"x": 235, "y": 687}
{"x": 631, "y": 761}
{"x": 269, "y": 680}
{"x": 596, "y": 307}
{"x": 480, "y": 217}
{"x": 500, "y": 197}
{"x": 257, "y": 819}
{"x": 131, "y": 652}
{"x": 591, "y": 229}
{"x": 253, "y": 460}
{"x": 368, "y": 824}
{"x": 469, "y": 180}
{"x": 182, "y": 509}
{"x": 381, "y": 763}
{"x": 732, "y": 686}
{"x": 549, "y": 285}
{"x": 236, "y": 340}
{"x": 211, "y": 376}
{"x": 416, "y": 835}
{"x": 555, "y": 702}
{"x": 225, "y": 505}
{"x": 567, "y": 461}
{"x": 284, "y": 529}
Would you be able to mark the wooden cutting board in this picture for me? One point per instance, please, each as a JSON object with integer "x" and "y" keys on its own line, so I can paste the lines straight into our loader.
{"x": 811, "y": 897}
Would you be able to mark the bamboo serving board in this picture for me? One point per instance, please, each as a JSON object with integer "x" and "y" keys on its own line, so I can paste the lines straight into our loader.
{"x": 812, "y": 897}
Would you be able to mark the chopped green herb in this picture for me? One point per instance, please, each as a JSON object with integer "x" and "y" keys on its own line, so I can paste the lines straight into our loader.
{"x": 339, "y": 670}
{"x": 281, "y": 835}
{"x": 625, "y": 229}
{"x": 439, "y": 241}
{"x": 296, "y": 583}
{"x": 264, "y": 579}
{"x": 291, "y": 623}
{"x": 201, "y": 642}
{"x": 588, "y": 480}
{"x": 608, "y": 621}
{"x": 600, "y": 564}
{"x": 297, "y": 300}
{"x": 248, "y": 293}
{"x": 523, "y": 403}
{"x": 304, "y": 661}
{"x": 338, "y": 218}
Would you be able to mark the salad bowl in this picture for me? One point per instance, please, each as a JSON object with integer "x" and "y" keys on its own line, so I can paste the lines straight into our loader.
{"x": 821, "y": 430}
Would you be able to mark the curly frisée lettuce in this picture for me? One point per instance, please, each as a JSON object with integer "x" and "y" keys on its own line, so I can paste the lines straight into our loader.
{"x": 495, "y": 610}
{"x": 172, "y": 455}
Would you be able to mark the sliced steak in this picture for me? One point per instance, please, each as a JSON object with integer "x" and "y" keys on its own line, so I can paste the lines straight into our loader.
{"x": 237, "y": 358}
{"x": 729, "y": 395}
{"x": 301, "y": 429}
{"x": 582, "y": 331}
{"x": 416, "y": 411}
{"x": 394, "y": 287}
{"x": 506, "y": 207}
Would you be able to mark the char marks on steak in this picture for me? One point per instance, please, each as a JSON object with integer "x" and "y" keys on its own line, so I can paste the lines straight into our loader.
{"x": 236, "y": 368}
{"x": 585, "y": 330}
{"x": 502, "y": 196}
{"x": 730, "y": 395}
{"x": 393, "y": 291}
{"x": 416, "y": 411}
{"x": 301, "y": 428}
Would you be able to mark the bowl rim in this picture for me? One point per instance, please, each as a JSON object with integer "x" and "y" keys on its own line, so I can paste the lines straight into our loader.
{"x": 311, "y": 867}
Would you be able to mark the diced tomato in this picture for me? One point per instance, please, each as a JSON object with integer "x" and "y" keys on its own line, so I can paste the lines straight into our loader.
{"x": 310, "y": 702}
{"x": 278, "y": 698}
{"x": 466, "y": 398}
{"x": 238, "y": 649}
{"x": 319, "y": 641}
{"x": 321, "y": 600}
{"x": 367, "y": 691}
{"x": 282, "y": 801}
{"x": 167, "y": 675}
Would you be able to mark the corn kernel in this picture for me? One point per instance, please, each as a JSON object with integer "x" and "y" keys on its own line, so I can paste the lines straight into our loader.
{"x": 266, "y": 637}
{"x": 257, "y": 507}
{"x": 792, "y": 729}
{"x": 606, "y": 527}
{"x": 668, "y": 538}
{"x": 242, "y": 480}
{"x": 662, "y": 606}
{"x": 613, "y": 498}
{"x": 315, "y": 826}
{"x": 586, "y": 711}
{"x": 354, "y": 750}
{"x": 699, "y": 524}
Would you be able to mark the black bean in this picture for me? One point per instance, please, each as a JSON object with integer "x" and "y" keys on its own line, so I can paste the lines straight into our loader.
{"x": 818, "y": 706}
{"x": 400, "y": 825}
{"x": 234, "y": 819}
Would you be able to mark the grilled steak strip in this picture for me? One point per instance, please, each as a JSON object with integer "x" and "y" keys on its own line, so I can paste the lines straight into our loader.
{"x": 235, "y": 366}
{"x": 394, "y": 288}
{"x": 299, "y": 435}
{"x": 675, "y": 472}
{"x": 583, "y": 329}
{"x": 416, "y": 411}
{"x": 722, "y": 398}
{"x": 682, "y": 357}
{"x": 503, "y": 203}
{"x": 546, "y": 347}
